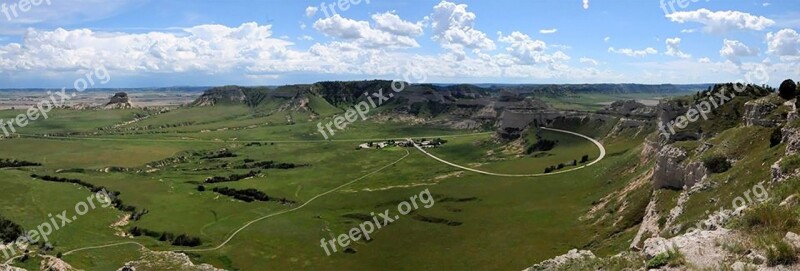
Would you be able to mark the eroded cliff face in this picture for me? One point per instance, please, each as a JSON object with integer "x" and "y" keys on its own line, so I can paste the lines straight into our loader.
{"x": 221, "y": 95}
{"x": 757, "y": 112}
{"x": 680, "y": 167}
{"x": 630, "y": 108}
{"x": 667, "y": 111}
{"x": 672, "y": 170}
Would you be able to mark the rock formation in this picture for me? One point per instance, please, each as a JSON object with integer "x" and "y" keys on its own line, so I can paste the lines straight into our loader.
{"x": 759, "y": 112}
{"x": 222, "y": 95}
{"x": 120, "y": 100}
{"x": 673, "y": 171}
{"x": 629, "y": 108}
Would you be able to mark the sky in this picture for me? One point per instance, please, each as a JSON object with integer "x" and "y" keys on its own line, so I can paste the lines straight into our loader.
{"x": 141, "y": 43}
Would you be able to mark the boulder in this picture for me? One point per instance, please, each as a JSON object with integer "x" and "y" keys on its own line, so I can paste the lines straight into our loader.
{"x": 792, "y": 239}
{"x": 790, "y": 201}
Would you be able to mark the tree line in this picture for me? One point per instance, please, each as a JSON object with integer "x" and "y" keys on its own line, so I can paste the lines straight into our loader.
{"x": 247, "y": 195}
{"x": 584, "y": 159}
{"x": 252, "y": 164}
{"x": 183, "y": 240}
{"x": 115, "y": 201}
{"x": 4, "y": 163}
{"x": 231, "y": 178}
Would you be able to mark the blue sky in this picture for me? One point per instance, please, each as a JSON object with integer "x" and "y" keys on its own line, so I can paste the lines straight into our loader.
{"x": 168, "y": 43}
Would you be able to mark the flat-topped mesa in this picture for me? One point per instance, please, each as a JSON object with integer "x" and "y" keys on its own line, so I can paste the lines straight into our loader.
{"x": 222, "y": 95}
{"x": 120, "y": 100}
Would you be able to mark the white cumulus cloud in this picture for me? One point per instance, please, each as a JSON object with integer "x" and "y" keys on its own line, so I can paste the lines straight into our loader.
{"x": 362, "y": 33}
{"x": 589, "y": 61}
{"x": 632, "y": 52}
{"x": 529, "y": 51}
{"x": 785, "y": 42}
{"x": 200, "y": 48}
{"x": 673, "y": 48}
{"x": 453, "y": 27}
{"x": 733, "y": 50}
{"x": 311, "y": 11}
{"x": 548, "y": 31}
{"x": 722, "y": 21}
{"x": 392, "y": 23}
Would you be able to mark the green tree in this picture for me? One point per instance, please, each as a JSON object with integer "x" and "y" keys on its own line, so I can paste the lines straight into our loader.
{"x": 788, "y": 89}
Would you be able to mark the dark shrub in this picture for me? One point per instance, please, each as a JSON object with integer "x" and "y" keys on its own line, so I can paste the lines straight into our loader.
{"x": 717, "y": 164}
{"x": 775, "y": 138}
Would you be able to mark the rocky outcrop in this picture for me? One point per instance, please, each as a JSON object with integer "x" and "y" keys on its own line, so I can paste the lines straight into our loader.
{"x": 791, "y": 137}
{"x": 221, "y": 95}
{"x": 299, "y": 102}
{"x": 757, "y": 112}
{"x": 673, "y": 171}
{"x": 649, "y": 225}
{"x": 629, "y": 108}
{"x": 667, "y": 111}
{"x": 5, "y": 267}
{"x": 50, "y": 263}
{"x": 465, "y": 125}
{"x": 166, "y": 260}
{"x": 120, "y": 100}
{"x": 701, "y": 249}
{"x": 559, "y": 261}
{"x": 628, "y": 124}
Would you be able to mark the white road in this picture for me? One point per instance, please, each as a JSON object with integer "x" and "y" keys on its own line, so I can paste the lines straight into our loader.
{"x": 597, "y": 143}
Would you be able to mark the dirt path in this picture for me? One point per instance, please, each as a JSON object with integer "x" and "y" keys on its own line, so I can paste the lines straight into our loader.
{"x": 248, "y": 224}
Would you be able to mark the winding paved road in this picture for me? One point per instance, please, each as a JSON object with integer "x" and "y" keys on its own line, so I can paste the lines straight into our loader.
{"x": 599, "y": 146}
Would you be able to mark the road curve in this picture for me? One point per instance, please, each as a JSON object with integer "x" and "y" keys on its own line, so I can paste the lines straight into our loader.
{"x": 597, "y": 143}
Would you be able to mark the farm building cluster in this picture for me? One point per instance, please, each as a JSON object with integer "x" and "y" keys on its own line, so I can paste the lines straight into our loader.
{"x": 423, "y": 143}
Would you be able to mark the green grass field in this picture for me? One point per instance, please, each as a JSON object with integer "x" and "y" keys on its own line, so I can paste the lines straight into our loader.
{"x": 521, "y": 220}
